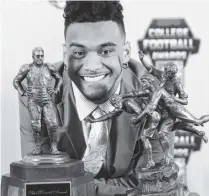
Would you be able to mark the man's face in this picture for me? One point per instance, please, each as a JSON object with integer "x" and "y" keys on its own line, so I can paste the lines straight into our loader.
{"x": 38, "y": 57}
{"x": 94, "y": 54}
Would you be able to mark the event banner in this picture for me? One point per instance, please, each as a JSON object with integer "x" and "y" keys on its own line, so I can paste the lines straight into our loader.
{"x": 169, "y": 39}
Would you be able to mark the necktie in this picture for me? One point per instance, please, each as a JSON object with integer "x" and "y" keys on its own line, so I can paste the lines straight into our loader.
{"x": 97, "y": 144}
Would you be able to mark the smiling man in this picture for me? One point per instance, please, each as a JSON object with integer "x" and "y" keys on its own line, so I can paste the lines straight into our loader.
{"x": 96, "y": 66}
{"x": 94, "y": 54}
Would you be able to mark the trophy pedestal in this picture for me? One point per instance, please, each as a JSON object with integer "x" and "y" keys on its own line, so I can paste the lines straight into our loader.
{"x": 160, "y": 181}
{"x": 66, "y": 179}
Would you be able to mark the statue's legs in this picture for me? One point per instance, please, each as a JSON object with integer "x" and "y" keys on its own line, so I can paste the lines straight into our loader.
{"x": 152, "y": 123}
{"x": 190, "y": 128}
{"x": 165, "y": 128}
{"x": 50, "y": 117}
{"x": 35, "y": 115}
{"x": 148, "y": 150}
{"x": 180, "y": 112}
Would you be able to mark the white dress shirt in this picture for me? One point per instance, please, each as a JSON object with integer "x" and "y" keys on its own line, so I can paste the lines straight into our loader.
{"x": 85, "y": 107}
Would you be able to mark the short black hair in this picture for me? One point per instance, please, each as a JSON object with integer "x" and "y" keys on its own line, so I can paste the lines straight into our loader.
{"x": 93, "y": 11}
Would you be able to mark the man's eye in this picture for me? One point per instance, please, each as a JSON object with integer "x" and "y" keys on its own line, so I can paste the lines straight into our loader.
{"x": 106, "y": 52}
{"x": 79, "y": 54}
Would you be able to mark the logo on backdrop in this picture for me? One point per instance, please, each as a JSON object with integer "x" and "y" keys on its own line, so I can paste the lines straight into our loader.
{"x": 169, "y": 40}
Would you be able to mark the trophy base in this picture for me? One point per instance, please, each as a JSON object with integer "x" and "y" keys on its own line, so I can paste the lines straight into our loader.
{"x": 160, "y": 181}
{"x": 46, "y": 159}
{"x": 176, "y": 192}
{"x": 67, "y": 179}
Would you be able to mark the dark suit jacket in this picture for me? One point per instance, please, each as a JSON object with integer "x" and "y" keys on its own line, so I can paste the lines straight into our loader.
{"x": 124, "y": 148}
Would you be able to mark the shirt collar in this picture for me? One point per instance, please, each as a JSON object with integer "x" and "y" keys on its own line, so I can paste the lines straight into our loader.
{"x": 86, "y": 107}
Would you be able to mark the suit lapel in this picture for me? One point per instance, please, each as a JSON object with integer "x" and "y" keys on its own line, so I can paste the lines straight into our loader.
{"x": 72, "y": 138}
{"x": 123, "y": 135}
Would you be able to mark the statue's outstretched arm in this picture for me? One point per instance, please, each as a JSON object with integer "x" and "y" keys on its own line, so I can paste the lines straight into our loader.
{"x": 136, "y": 94}
{"x": 107, "y": 116}
{"x": 150, "y": 68}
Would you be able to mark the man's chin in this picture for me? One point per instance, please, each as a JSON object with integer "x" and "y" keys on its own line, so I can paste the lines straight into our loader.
{"x": 97, "y": 92}
{"x": 96, "y": 95}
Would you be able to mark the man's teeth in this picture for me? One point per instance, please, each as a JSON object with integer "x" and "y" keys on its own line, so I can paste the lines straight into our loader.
{"x": 93, "y": 79}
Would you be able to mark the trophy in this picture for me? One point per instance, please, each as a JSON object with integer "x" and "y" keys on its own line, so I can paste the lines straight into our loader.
{"x": 163, "y": 112}
{"x": 43, "y": 172}
{"x": 159, "y": 111}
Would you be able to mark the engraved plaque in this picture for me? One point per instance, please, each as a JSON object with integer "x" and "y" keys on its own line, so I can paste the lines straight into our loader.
{"x": 48, "y": 189}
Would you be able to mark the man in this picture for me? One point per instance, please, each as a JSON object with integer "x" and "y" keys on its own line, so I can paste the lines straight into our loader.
{"x": 96, "y": 66}
{"x": 161, "y": 101}
{"x": 39, "y": 93}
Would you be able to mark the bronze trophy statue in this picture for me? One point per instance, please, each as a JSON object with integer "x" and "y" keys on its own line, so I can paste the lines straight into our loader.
{"x": 161, "y": 101}
{"x": 39, "y": 93}
{"x": 44, "y": 171}
{"x": 159, "y": 112}
{"x": 160, "y": 179}
{"x": 158, "y": 101}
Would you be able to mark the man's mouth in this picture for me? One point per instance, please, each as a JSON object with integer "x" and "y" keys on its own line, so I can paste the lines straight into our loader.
{"x": 94, "y": 78}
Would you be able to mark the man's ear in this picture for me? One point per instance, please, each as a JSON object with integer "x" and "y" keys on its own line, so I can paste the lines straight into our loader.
{"x": 64, "y": 54}
{"x": 126, "y": 53}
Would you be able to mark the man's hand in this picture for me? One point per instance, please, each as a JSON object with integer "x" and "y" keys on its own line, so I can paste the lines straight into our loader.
{"x": 141, "y": 55}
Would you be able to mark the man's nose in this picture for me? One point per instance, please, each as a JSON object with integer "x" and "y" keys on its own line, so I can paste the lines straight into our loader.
{"x": 92, "y": 62}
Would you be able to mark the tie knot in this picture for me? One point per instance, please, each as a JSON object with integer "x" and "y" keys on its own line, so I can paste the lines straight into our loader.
{"x": 97, "y": 113}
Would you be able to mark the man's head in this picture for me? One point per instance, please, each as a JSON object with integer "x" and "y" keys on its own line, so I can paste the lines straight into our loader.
{"x": 116, "y": 101}
{"x": 95, "y": 47}
{"x": 170, "y": 70}
{"x": 38, "y": 56}
{"x": 148, "y": 82}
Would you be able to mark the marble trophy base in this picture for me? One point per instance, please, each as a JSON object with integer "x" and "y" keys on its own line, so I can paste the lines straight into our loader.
{"x": 46, "y": 178}
{"x": 160, "y": 181}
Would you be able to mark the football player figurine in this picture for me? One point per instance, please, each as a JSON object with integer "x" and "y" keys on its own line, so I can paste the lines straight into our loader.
{"x": 39, "y": 93}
